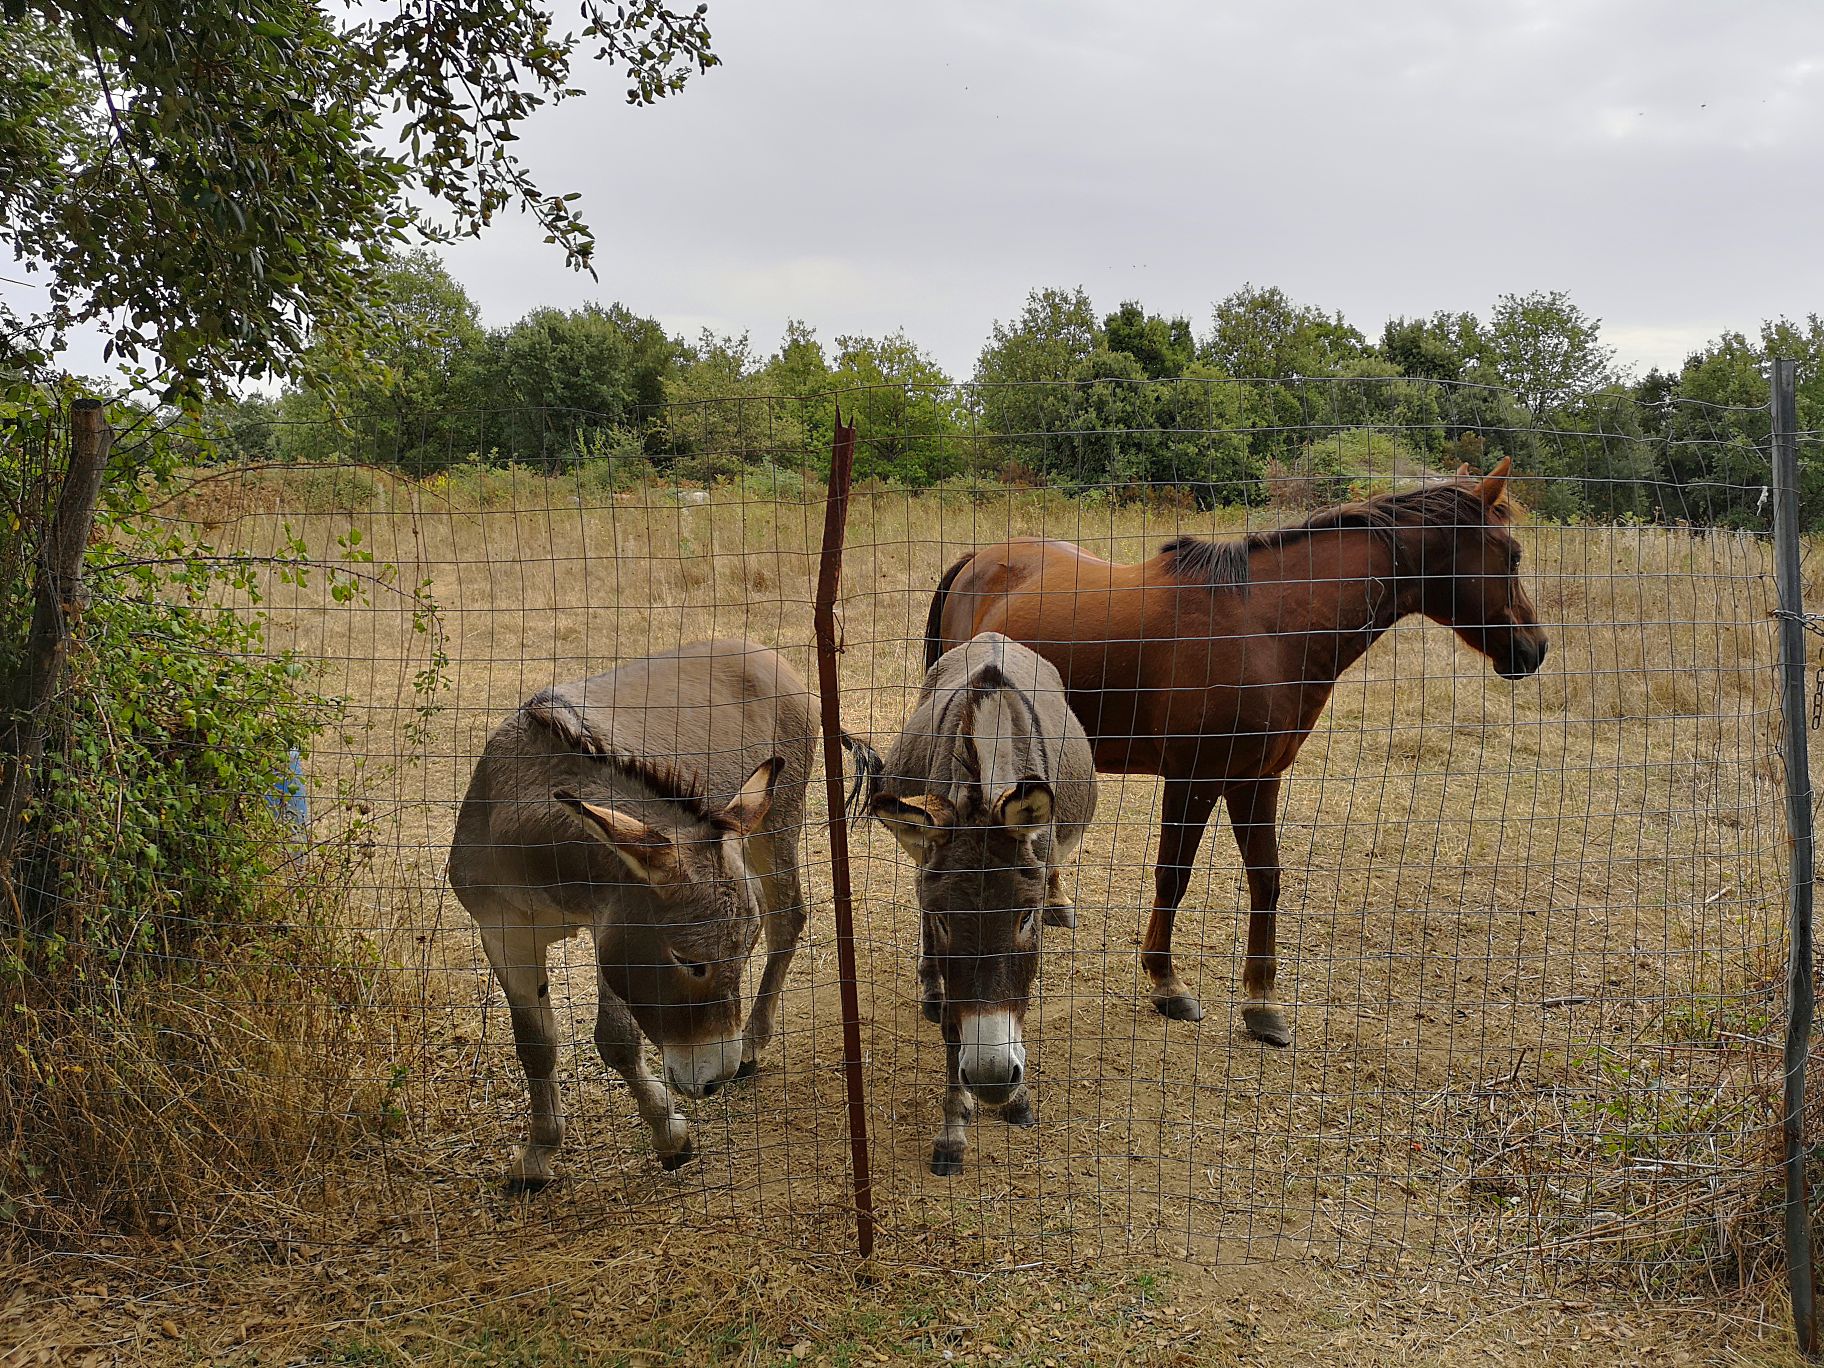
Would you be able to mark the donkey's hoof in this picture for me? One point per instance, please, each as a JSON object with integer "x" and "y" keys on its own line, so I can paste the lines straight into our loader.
{"x": 749, "y": 1067}
{"x": 932, "y": 1005}
{"x": 521, "y": 1186}
{"x": 1019, "y": 1113}
{"x": 1060, "y": 914}
{"x": 946, "y": 1159}
{"x": 1179, "y": 1007}
{"x": 1266, "y": 1024}
{"x": 672, "y": 1162}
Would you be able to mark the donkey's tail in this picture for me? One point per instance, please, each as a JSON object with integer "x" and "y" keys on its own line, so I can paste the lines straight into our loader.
{"x": 934, "y": 620}
{"x": 868, "y": 769}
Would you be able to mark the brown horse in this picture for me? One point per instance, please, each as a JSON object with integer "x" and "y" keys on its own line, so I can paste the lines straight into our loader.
{"x": 1209, "y": 664}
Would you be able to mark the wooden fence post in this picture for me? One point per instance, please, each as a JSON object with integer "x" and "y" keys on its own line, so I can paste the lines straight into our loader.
{"x": 58, "y": 597}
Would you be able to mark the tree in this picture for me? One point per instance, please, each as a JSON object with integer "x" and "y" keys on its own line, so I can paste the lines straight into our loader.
{"x": 1547, "y": 350}
{"x": 1260, "y": 334}
{"x": 1446, "y": 346}
{"x": 402, "y": 401}
{"x": 1054, "y": 332}
{"x": 906, "y": 407}
{"x": 1163, "y": 347}
{"x": 222, "y": 188}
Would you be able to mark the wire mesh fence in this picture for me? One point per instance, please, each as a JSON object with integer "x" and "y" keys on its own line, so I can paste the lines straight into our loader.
{"x": 1529, "y": 931}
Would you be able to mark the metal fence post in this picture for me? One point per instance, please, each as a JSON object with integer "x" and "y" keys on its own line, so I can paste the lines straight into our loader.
{"x": 829, "y": 646}
{"x": 1798, "y": 819}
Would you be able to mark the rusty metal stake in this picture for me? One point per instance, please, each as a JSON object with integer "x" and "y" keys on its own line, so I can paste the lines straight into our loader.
{"x": 829, "y": 576}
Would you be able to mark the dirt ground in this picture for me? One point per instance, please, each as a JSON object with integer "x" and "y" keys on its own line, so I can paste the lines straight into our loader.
{"x": 1529, "y": 939}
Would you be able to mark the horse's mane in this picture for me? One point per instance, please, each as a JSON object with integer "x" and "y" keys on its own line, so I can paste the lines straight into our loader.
{"x": 1444, "y": 503}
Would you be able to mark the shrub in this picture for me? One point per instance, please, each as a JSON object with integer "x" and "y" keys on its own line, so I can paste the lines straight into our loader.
{"x": 176, "y": 977}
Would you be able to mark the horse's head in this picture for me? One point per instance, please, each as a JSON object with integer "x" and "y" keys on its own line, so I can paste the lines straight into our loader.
{"x": 1470, "y": 578}
{"x": 691, "y": 914}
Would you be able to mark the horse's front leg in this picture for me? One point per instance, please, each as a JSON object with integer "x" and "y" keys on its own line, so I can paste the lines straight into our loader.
{"x": 959, "y": 1111}
{"x": 1254, "y": 815}
{"x": 1185, "y": 812}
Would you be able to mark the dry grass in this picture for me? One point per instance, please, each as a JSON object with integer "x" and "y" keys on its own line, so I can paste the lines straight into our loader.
{"x": 1529, "y": 932}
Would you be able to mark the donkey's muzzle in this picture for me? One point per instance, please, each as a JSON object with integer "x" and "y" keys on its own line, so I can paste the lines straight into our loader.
{"x": 699, "y": 1070}
{"x": 992, "y": 1056}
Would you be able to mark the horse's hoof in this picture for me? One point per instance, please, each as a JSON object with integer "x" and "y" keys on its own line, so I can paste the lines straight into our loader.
{"x": 1179, "y": 1007}
{"x": 1060, "y": 914}
{"x": 1266, "y": 1024}
{"x": 518, "y": 1186}
{"x": 1019, "y": 1113}
{"x": 672, "y": 1162}
{"x": 946, "y": 1160}
{"x": 749, "y": 1067}
{"x": 932, "y": 1005}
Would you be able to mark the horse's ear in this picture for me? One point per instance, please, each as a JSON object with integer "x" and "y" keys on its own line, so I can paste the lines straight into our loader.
{"x": 1463, "y": 471}
{"x": 1493, "y": 485}
{"x": 748, "y": 808}
{"x": 920, "y": 824}
{"x": 647, "y": 852}
{"x": 1025, "y": 807}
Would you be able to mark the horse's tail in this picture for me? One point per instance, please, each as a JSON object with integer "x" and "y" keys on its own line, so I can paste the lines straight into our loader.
{"x": 934, "y": 620}
{"x": 868, "y": 769}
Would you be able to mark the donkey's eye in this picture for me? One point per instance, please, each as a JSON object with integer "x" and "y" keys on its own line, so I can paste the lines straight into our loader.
{"x": 697, "y": 969}
{"x": 1030, "y": 922}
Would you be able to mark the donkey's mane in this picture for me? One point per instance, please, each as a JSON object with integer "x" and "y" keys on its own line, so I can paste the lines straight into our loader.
{"x": 565, "y": 720}
{"x": 1225, "y": 564}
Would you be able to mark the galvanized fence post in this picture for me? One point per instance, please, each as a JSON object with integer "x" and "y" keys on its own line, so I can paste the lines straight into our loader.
{"x": 829, "y": 646}
{"x": 1798, "y": 818}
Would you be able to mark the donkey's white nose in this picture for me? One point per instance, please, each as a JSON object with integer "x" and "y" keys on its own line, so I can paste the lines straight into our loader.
{"x": 993, "y": 1054}
{"x": 698, "y": 1070}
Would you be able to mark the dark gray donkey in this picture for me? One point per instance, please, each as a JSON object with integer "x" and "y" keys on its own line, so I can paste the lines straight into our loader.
{"x": 659, "y": 806}
{"x": 988, "y": 788}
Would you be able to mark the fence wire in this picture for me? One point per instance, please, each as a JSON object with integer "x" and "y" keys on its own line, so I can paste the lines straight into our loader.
{"x": 1529, "y": 932}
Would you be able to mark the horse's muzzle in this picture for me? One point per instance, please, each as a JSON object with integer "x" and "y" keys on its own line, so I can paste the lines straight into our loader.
{"x": 1525, "y": 658}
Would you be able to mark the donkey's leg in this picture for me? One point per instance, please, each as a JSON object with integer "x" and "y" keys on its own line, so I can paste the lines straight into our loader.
{"x": 517, "y": 954}
{"x": 1254, "y": 815}
{"x": 1185, "y": 813}
{"x": 930, "y": 982}
{"x": 617, "y": 1039}
{"x": 959, "y": 1111}
{"x": 785, "y": 914}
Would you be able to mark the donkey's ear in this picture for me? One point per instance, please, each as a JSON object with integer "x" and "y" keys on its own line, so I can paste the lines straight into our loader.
{"x": 648, "y": 853}
{"x": 1026, "y": 806}
{"x": 920, "y": 824}
{"x": 1464, "y": 472}
{"x": 748, "y": 808}
{"x": 1494, "y": 484}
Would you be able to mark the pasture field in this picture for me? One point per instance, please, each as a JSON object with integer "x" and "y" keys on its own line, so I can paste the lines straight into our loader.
{"x": 1530, "y": 947}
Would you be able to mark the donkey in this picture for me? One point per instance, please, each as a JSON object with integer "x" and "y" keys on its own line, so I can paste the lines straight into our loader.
{"x": 989, "y": 789}
{"x": 659, "y": 806}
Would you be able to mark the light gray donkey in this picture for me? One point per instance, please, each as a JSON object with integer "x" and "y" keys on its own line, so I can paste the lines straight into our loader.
{"x": 989, "y": 789}
{"x": 659, "y": 806}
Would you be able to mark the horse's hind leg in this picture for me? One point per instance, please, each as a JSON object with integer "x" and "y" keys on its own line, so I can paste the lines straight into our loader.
{"x": 1185, "y": 812}
{"x": 785, "y": 914}
{"x": 1254, "y": 815}
{"x": 517, "y": 954}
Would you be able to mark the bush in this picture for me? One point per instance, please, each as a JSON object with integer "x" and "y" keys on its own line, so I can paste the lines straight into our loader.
{"x": 177, "y": 978}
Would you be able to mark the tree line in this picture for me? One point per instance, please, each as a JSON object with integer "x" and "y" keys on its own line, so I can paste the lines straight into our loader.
{"x": 1273, "y": 398}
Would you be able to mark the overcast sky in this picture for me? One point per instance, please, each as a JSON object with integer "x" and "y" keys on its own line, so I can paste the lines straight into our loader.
{"x": 867, "y": 166}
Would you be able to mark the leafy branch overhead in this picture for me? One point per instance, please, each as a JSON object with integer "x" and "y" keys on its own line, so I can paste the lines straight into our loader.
{"x": 221, "y": 183}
